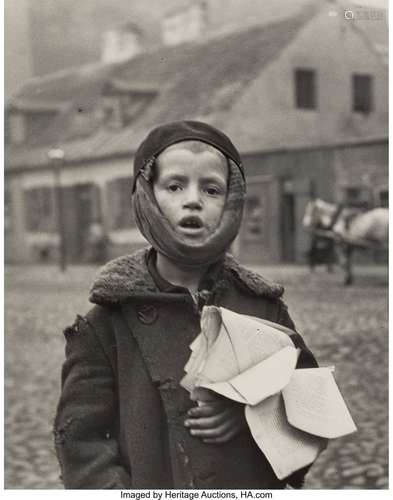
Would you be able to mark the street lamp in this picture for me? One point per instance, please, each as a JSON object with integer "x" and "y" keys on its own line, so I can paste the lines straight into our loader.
{"x": 56, "y": 157}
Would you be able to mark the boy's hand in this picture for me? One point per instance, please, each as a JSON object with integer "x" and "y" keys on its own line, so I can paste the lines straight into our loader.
{"x": 216, "y": 421}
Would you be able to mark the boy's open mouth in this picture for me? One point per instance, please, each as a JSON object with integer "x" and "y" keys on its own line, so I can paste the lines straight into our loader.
{"x": 191, "y": 222}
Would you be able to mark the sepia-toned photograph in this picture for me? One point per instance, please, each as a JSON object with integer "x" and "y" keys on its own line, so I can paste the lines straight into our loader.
{"x": 196, "y": 212}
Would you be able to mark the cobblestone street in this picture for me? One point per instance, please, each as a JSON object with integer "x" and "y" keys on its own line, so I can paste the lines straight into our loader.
{"x": 345, "y": 327}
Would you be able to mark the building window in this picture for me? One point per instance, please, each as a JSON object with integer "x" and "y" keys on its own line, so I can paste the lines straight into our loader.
{"x": 305, "y": 89}
{"x": 384, "y": 198}
{"x": 121, "y": 106}
{"x": 40, "y": 210}
{"x": 362, "y": 93}
{"x": 38, "y": 122}
{"x": 26, "y": 126}
{"x": 119, "y": 202}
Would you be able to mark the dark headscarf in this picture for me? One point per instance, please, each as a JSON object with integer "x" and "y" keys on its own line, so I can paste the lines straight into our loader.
{"x": 150, "y": 220}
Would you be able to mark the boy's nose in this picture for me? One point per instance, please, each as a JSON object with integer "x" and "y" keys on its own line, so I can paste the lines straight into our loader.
{"x": 194, "y": 205}
{"x": 193, "y": 199}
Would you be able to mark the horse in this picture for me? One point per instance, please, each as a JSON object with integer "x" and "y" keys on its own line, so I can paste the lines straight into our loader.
{"x": 347, "y": 228}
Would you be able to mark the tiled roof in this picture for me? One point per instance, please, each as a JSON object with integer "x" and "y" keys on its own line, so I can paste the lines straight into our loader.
{"x": 194, "y": 80}
{"x": 67, "y": 86}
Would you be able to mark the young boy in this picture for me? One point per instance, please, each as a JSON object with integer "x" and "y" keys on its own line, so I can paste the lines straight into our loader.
{"x": 123, "y": 420}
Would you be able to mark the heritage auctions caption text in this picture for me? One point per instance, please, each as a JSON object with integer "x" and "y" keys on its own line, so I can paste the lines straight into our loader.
{"x": 195, "y": 495}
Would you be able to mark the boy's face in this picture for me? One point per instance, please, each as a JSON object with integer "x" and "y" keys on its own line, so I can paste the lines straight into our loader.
{"x": 191, "y": 190}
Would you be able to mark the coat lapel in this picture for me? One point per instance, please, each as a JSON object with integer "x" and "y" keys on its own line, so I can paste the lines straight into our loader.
{"x": 156, "y": 340}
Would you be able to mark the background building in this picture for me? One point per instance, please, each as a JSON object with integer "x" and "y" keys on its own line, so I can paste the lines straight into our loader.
{"x": 304, "y": 98}
{"x": 18, "y": 58}
{"x": 44, "y": 36}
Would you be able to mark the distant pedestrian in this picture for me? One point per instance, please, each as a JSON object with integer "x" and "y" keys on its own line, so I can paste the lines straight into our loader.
{"x": 322, "y": 243}
{"x": 123, "y": 420}
{"x": 322, "y": 251}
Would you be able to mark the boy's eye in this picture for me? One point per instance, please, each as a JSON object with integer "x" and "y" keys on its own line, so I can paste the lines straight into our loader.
{"x": 213, "y": 191}
{"x": 174, "y": 187}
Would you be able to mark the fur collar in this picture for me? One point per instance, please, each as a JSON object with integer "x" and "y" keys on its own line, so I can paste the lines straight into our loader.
{"x": 128, "y": 276}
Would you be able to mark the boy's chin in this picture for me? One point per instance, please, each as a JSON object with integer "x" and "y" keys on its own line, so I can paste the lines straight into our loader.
{"x": 193, "y": 238}
{"x": 193, "y": 241}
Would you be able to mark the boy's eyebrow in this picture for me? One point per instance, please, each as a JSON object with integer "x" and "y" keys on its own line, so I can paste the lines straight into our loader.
{"x": 180, "y": 177}
{"x": 212, "y": 177}
{"x": 171, "y": 175}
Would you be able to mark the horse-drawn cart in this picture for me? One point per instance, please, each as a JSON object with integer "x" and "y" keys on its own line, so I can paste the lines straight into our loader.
{"x": 337, "y": 231}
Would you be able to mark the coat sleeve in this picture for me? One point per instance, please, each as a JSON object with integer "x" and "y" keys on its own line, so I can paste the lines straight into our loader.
{"x": 86, "y": 416}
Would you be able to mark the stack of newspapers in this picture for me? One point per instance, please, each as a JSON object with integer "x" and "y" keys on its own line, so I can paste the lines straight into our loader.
{"x": 290, "y": 412}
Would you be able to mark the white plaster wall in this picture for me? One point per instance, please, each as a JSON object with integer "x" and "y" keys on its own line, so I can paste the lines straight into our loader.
{"x": 266, "y": 116}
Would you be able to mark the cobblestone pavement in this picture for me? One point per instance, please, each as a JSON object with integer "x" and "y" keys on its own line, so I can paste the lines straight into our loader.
{"x": 346, "y": 327}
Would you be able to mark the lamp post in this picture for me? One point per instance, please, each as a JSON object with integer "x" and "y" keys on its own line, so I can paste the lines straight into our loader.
{"x": 56, "y": 157}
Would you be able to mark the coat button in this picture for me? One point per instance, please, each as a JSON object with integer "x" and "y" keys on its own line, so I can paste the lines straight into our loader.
{"x": 147, "y": 314}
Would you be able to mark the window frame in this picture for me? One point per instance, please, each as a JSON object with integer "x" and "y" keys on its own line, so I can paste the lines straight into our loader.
{"x": 367, "y": 106}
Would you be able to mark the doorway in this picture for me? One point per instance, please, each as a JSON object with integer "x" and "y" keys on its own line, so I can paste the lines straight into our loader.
{"x": 80, "y": 208}
{"x": 288, "y": 221}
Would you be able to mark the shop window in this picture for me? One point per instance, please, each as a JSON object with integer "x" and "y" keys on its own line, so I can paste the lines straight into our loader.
{"x": 362, "y": 93}
{"x": 40, "y": 210}
{"x": 119, "y": 202}
{"x": 305, "y": 89}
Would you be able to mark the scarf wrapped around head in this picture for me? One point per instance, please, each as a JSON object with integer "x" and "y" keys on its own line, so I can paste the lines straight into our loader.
{"x": 150, "y": 220}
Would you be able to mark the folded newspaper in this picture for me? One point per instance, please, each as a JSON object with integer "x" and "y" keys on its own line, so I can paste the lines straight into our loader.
{"x": 290, "y": 412}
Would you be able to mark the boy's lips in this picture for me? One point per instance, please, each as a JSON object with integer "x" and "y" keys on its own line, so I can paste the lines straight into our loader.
{"x": 191, "y": 225}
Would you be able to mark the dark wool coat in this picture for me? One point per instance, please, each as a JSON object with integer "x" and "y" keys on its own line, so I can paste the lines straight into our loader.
{"x": 119, "y": 421}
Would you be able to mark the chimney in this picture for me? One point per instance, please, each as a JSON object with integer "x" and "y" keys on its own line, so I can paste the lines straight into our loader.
{"x": 121, "y": 43}
{"x": 185, "y": 23}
